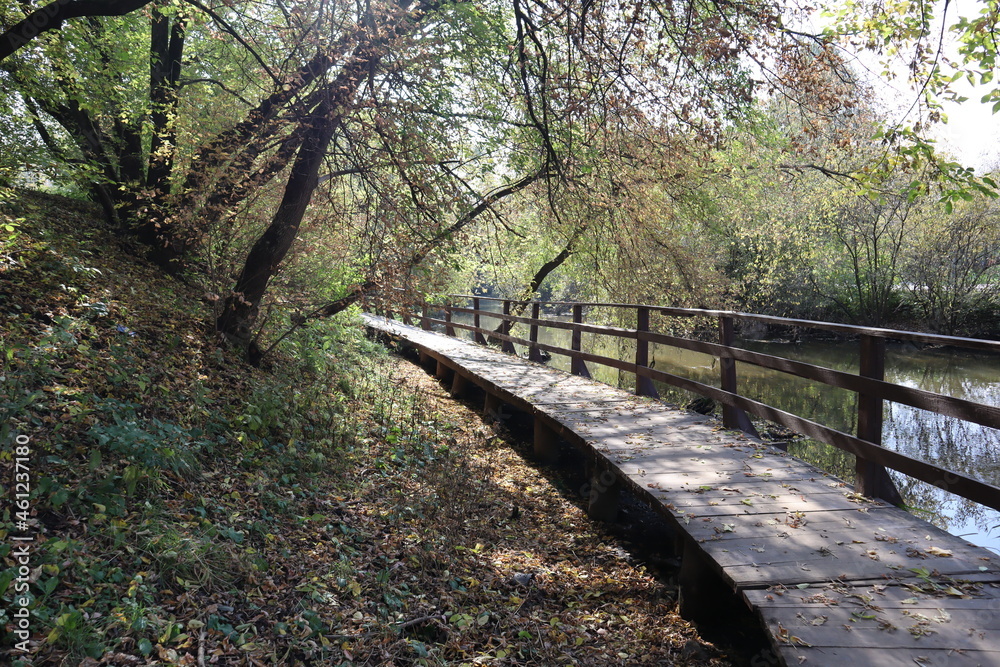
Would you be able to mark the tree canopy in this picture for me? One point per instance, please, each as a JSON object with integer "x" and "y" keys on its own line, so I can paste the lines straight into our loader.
{"x": 372, "y": 141}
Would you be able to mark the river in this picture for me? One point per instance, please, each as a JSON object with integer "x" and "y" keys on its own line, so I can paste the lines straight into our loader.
{"x": 960, "y": 446}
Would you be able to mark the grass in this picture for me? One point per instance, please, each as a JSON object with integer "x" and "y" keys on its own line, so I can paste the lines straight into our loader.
{"x": 335, "y": 507}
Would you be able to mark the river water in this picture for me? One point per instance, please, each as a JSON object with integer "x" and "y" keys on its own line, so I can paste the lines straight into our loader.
{"x": 960, "y": 446}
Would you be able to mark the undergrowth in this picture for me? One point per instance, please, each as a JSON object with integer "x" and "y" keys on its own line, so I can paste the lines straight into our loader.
{"x": 332, "y": 508}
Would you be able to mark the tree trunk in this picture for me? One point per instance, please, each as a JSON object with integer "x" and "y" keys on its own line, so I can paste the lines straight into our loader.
{"x": 241, "y": 306}
{"x": 166, "y": 43}
{"x": 536, "y": 281}
{"x": 150, "y": 215}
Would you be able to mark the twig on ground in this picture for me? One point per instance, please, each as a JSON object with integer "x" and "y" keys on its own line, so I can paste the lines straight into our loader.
{"x": 401, "y": 626}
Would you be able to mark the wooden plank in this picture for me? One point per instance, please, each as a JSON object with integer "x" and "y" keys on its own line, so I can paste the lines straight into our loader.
{"x": 879, "y": 657}
{"x": 802, "y": 547}
{"x": 977, "y": 598}
{"x": 788, "y": 508}
{"x": 877, "y": 623}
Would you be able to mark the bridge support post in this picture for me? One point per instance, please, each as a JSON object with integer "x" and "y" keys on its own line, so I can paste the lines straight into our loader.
{"x": 546, "y": 443}
{"x": 442, "y": 372}
{"x": 603, "y": 494}
{"x": 459, "y": 383}
{"x": 872, "y": 479}
{"x": 492, "y": 407}
{"x": 699, "y": 589}
{"x": 578, "y": 365}
{"x": 643, "y": 385}
{"x": 427, "y": 362}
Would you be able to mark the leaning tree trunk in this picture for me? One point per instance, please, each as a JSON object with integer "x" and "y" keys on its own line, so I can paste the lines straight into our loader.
{"x": 536, "y": 282}
{"x": 241, "y": 307}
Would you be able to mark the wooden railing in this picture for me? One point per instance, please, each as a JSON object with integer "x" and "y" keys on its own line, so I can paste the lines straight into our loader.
{"x": 869, "y": 383}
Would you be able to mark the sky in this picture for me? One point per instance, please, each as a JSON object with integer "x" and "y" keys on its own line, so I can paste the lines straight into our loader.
{"x": 972, "y": 133}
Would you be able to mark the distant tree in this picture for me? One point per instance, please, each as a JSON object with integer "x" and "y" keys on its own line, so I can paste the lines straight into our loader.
{"x": 870, "y": 233}
{"x": 952, "y": 267}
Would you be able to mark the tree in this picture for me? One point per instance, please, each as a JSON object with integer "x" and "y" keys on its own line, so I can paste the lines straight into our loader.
{"x": 870, "y": 232}
{"x": 54, "y": 14}
{"x": 78, "y": 90}
{"x": 951, "y": 267}
{"x": 573, "y": 98}
{"x": 415, "y": 117}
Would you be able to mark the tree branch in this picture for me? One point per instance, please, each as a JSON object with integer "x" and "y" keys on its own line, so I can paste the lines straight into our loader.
{"x": 833, "y": 173}
{"x": 52, "y": 16}
{"x": 228, "y": 29}
{"x": 485, "y": 204}
{"x": 214, "y": 82}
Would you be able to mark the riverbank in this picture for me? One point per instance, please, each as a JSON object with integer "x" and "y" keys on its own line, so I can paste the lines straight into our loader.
{"x": 331, "y": 508}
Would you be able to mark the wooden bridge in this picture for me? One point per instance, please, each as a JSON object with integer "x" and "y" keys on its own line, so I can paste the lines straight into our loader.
{"x": 832, "y": 575}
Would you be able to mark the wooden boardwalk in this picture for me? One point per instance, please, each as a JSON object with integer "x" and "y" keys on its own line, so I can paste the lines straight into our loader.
{"x": 834, "y": 578}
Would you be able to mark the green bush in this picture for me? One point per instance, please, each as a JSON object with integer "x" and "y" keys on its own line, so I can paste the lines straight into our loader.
{"x": 150, "y": 443}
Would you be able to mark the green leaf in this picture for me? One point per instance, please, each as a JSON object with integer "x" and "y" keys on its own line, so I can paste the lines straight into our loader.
{"x": 5, "y": 578}
{"x": 95, "y": 459}
{"x": 59, "y": 497}
{"x": 50, "y": 585}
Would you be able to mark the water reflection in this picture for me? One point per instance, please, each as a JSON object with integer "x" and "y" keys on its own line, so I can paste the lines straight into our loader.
{"x": 960, "y": 446}
{"x": 967, "y": 448}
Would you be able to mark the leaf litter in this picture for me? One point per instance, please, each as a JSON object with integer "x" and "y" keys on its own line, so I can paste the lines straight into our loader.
{"x": 333, "y": 508}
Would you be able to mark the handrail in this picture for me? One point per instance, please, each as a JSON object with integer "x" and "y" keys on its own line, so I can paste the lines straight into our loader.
{"x": 869, "y": 383}
{"x": 836, "y": 327}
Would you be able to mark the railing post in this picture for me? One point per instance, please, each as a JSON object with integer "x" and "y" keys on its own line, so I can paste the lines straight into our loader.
{"x": 732, "y": 416}
{"x": 533, "y": 352}
{"x": 424, "y": 321}
{"x": 448, "y": 329}
{"x": 577, "y": 365}
{"x": 506, "y": 327}
{"x": 643, "y": 385}
{"x": 477, "y": 336}
{"x": 873, "y": 480}
{"x": 405, "y": 313}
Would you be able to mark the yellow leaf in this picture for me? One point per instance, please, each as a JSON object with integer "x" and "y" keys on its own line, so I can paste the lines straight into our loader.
{"x": 941, "y": 553}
